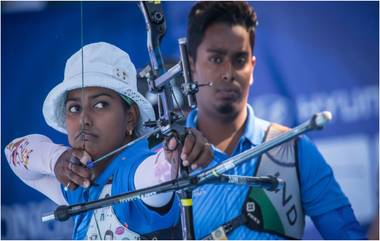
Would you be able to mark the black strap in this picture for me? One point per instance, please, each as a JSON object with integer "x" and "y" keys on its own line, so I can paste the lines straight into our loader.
{"x": 250, "y": 217}
{"x": 221, "y": 232}
{"x": 171, "y": 233}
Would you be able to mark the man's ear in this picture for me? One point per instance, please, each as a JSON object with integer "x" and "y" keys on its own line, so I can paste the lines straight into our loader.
{"x": 253, "y": 69}
{"x": 192, "y": 64}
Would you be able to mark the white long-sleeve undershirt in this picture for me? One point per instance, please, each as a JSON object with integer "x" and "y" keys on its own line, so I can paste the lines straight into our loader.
{"x": 33, "y": 157}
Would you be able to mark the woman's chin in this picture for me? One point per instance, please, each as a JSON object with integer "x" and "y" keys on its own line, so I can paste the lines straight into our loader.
{"x": 95, "y": 153}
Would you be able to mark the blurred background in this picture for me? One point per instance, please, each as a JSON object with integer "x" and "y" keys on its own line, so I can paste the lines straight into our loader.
{"x": 311, "y": 56}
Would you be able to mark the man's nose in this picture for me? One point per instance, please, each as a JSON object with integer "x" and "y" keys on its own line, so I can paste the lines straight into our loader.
{"x": 227, "y": 73}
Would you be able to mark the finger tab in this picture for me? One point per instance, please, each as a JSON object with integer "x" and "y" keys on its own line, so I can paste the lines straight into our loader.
{"x": 172, "y": 143}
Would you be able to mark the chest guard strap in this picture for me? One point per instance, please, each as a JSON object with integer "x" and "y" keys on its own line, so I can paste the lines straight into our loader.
{"x": 278, "y": 212}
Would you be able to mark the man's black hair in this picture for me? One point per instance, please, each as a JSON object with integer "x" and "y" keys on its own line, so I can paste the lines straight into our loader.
{"x": 205, "y": 13}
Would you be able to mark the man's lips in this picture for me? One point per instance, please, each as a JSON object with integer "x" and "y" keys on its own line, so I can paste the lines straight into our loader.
{"x": 227, "y": 93}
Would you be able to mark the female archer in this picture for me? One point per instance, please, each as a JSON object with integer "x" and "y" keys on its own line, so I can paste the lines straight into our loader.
{"x": 99, "y": 108}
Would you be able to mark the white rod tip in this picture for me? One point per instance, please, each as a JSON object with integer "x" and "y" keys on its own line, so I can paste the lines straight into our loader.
{"x": 48, "y": 217}
{"x": 327, "y": 115}
{"x": 322, "y": 118}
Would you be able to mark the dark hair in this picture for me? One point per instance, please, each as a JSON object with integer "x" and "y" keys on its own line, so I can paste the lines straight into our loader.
{"x": 205, "y": 13}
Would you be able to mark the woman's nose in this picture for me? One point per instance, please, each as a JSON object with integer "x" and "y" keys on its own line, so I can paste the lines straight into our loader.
{"x": 85, "y": 118}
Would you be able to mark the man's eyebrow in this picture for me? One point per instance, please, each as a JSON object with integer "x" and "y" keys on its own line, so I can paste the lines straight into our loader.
{"x": 224, "y": 52}
{"x": 242, "y": 53}
{"x": 217, "y": 50}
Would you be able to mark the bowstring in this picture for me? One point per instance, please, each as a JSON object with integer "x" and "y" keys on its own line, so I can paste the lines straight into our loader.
{"x": 82, "y": 68}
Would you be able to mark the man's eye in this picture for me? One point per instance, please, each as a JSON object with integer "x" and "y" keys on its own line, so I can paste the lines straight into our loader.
{"x": 101, "y": 105}
{"x": 241, "y": 61}
{"x": 216, "y": 60}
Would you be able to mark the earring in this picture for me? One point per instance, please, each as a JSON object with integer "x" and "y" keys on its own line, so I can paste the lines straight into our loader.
{"x": 129, "y": 132}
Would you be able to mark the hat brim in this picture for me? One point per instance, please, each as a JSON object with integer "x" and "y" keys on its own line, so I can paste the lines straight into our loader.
{"x": 54, "y": 104}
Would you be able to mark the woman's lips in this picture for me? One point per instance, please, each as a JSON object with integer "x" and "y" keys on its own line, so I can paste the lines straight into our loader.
{"x": 86, "y": 136}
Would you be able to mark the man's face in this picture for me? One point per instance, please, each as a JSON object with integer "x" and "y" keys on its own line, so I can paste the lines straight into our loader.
{"x": 96, "y": 120}
{"x": 224, "y": 58}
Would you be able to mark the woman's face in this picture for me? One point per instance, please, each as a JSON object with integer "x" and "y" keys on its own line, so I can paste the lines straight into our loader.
{"x": 97, "y": 120}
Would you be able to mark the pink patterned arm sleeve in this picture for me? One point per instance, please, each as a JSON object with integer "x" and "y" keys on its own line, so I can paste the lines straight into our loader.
{"x": 32, "y": 158}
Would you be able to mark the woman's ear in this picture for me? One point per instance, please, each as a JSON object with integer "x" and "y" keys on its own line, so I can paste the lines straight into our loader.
{"x": 132, "y": 118}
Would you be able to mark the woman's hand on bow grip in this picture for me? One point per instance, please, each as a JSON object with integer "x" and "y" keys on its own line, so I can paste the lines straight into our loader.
{"x": 71, "y": 170}
{"x": 196, "y": 151}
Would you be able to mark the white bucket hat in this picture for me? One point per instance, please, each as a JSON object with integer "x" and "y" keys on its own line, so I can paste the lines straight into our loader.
{"x": 104, "y": 65}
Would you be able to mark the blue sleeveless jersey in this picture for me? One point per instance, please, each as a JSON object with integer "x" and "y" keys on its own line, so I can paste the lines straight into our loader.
{"x": 214, "y": 205}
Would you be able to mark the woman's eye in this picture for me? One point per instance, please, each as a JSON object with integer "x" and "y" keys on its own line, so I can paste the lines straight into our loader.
{"x": 73, "y": 108}
{"x": 101, "y": 105}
